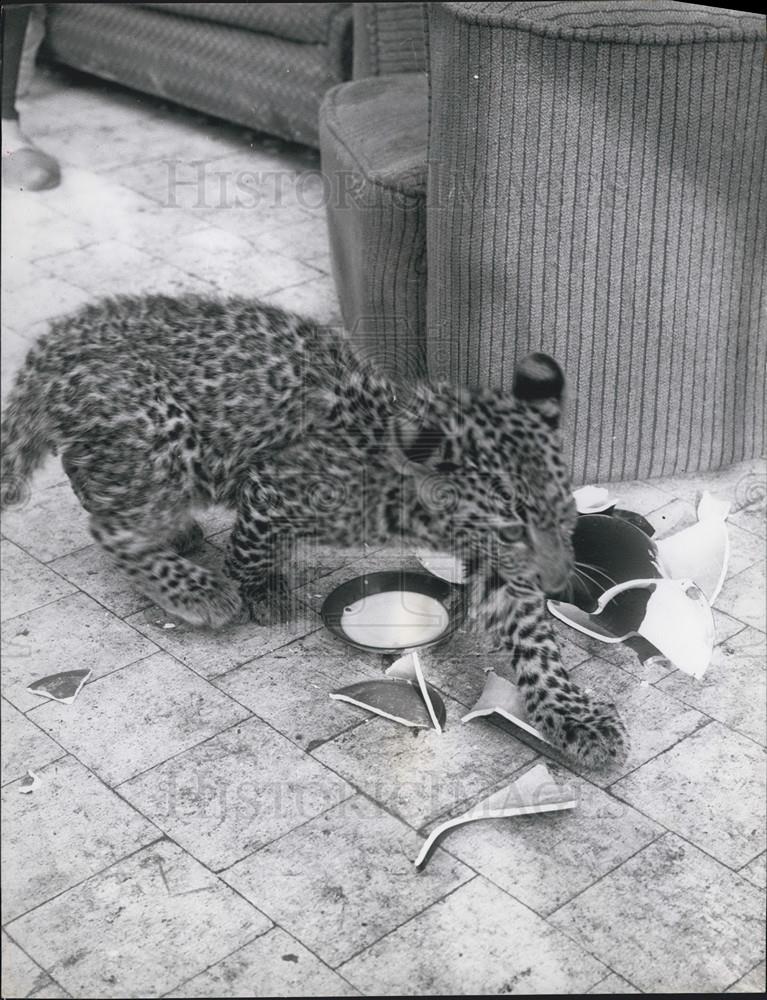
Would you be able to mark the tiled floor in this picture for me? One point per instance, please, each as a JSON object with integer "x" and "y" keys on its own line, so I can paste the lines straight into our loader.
{"x": 208, "y": 822}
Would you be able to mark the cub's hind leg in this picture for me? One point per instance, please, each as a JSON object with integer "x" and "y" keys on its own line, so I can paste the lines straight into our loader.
{"x": 182, "y": 588}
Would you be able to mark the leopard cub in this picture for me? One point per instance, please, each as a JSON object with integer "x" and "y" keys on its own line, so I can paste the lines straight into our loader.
{"x": 160, "y": 406}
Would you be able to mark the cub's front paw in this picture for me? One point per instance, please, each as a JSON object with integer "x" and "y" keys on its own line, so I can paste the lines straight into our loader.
{"x": 271, "y": 603}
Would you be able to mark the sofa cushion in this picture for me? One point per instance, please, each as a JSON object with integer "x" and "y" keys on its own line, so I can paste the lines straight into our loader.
{"x": 298, "y": 22}
{"x": 262, "y": 82}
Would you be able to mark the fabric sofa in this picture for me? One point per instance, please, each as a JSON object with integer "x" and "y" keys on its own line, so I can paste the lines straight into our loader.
{"x": 262, "y": 65}
{"x": 593, "y": 186}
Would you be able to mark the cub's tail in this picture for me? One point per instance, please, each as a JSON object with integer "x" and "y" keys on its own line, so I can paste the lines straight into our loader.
{"x": 26, "y": 433}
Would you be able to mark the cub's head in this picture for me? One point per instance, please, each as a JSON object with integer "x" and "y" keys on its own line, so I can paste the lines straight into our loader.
{"x": 488, "y": 474}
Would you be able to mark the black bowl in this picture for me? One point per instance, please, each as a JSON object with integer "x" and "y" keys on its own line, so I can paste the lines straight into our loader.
{"x": 450, "y": 597}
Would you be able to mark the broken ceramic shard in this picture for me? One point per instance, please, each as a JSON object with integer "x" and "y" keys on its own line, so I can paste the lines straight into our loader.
{"x": 701, "y": 552}
{"x": 442, "y": 564}
{"x": 63, "y": 687}
{"x": 501, "y": 697}
{"x": 28, "y": 783}
{"x": 403, "y": 696}
{"x": 409, "y": 668}
{"x": 628, "y": 585}
{"x": 535, "y": 792}
{"x": 593, "y": 500}
{"x": 673, "y": 615}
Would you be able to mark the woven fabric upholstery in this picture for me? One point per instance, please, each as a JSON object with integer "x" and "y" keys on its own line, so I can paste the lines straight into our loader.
{"x": 608, "y": 204}
{"x": 373, "y": 147}
{"x": 256, "y": 80}
{"x": 389, "y": 38}
{"x": 299, "y": 22}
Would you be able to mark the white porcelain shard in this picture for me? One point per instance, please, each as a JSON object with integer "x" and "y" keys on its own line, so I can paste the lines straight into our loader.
{"x": 702, "y": 551}
{"x": 501, "y": 697}
{"x": 409, "y": 668}
{"x": 535, "y": 792}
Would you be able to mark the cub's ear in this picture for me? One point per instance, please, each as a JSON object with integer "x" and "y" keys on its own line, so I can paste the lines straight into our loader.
{"x": 539, "y": 382}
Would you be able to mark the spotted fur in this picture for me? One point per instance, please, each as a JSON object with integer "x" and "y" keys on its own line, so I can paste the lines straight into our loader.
{"x": 161, "y": 406}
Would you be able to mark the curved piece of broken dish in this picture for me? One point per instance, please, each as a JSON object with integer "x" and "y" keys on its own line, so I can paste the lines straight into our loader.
{"x": 63, "y": 687}
{"x": 408, "y": 668}
{"x": 403, "y": 696}
{"x": 593, "y": 499}
{"x": 702, "y": 551}
{"x": 673, "y": 615}
{"x": 535, "y": 792}
{"x": 501, "y": 697}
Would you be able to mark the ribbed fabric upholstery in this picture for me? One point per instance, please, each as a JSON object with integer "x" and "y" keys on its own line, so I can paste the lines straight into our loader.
{"x": 258, "y": 80}
{"x": 373, "y": 147}
{"x": 389, "y": 38}
{"x": 606, "y": 203}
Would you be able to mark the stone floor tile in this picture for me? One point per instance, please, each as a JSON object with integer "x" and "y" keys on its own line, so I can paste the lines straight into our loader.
{"x": 654, "y": 720}
{"x": 139, "y": 927}
{"x": 316, "y": 298}
{"x": 730, "y": 483}
{"x": 95, "y": 572}
{"x": 743, "y": 596}
{"x": 12, "y": 355}
{"x": 614, "y": 985}
{"x": 732, "y": 690}
{"x": 640, "y": 495}
{"x": 26, "y": 584}
{"x": 112, "y": 266}
{"x": 670, "y": 919}
{"x": 21, "y": 976}
{"x": 745, "y": 550}
{"x": 41, "y": 300}
{"x": 25, "y": 746}
{"x": 232, "y": 265}
{"x": 50, "y": 991}
{"x": 69, "y": 827}
{"x": 754, "y": 981}
{"x": 476, "y": 941}
{"x": 139, "y": 716}
{"x": 290, "y": 687}
{"x": 307, "y": 240}
{"x": 19, "y": 271}
{"x": 545, "y": 860}
{"x": 672, "y": 517}
{"x": 72, "y": 633}
{"x": 50, "y": 473}
{"x": 274, "y": 965}
{"x": 232, "y": 794}
{"x": 756, "y": 871}
{"x": 210, "y": 653}
{"x": 752, "y": 516}
{"x": 709, "y": 789}
{"x": 420, "y": 774}
{"x": 52, "y": 523}
{"x": 341, "y": 881}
